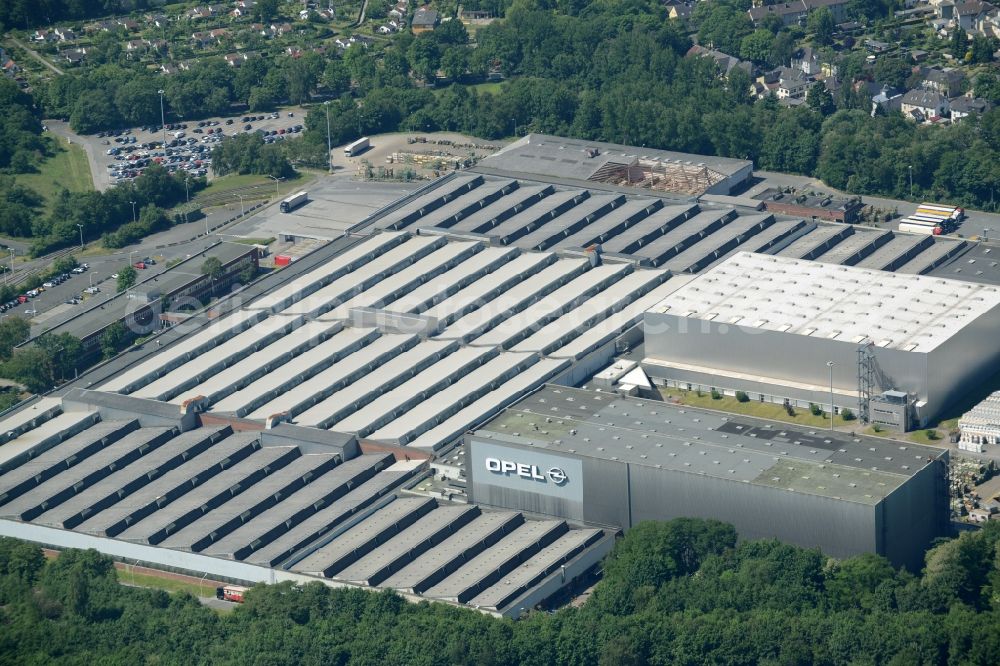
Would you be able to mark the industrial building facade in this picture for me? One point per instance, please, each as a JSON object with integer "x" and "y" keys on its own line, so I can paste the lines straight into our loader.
{"x": 772, "y": 327}
{"x": 604, "y": 459}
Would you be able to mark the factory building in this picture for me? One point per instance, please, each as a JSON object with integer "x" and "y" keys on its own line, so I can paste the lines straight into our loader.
{"x": 557, "y": 211}
{"x": 149, "y": 483}
{"x": 782, "y": 329}
{"x": 605, "y": 459}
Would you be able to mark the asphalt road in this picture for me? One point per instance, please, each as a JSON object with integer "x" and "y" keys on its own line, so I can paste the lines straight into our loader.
{"x": 50, "y": 307}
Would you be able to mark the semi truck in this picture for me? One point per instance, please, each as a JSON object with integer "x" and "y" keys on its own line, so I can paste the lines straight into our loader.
{"x": 952, "y": 213}
{"x": 918, "y": 226}
{"x": 357, "y": 147}
{"x": 294, "y": 201}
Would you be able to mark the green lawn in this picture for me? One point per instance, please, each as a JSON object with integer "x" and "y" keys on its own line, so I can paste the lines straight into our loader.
{"x": 489, "y": 87}
{"x": 207, "y": 589}
{"x": 67, "y": 168}
{"x": 222, "y": 190}
{"x": 760, "y": 410}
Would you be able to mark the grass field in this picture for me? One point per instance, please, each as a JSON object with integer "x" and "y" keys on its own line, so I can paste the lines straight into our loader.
{"x": 235, "y": 183}
{"x": 761, "y": 410}
{"x": 163, "y": 583}
{"x": 490, "y": 87}
{"x": 67, "y": 168}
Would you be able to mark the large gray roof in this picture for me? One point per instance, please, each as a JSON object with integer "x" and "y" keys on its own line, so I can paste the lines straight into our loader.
{"x": 567, "y": 158}
{"x": 737, "y": 448}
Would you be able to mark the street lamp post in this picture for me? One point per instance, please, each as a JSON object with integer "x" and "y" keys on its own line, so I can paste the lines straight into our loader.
{"x": 133, "y": 210}
{"x": 11, "y": 264}
{"x": 276, "y": 181}
{"x": 830, "y": 364}
{"x": 911, "y": 180}
{"x": 163, "y": 123}
{"x": 92, "y": 280}
{"x": 242, "y": 210}
{"x": 80, "y": 226}
{"x": 986, "y": 237}
{"x": 329, "y": 145}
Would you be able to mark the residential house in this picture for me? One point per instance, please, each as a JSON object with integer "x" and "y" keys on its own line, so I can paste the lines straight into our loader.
{"x": 792, "y": 84}
{"x": 725, "y": 61}
{"x": 219, "y": 34}
{"x": 64, "y": 34}
{"x": 74, "y": 56}
{"x": 888, "y": 99}
{"x": 965, "y": 106}
{"x": 807, "y": 60}
{"x": 159, "y": 20}
{"x": 43, "y": 36}
{"x": 425, "y": 19}
{"x": 199, "y": 13}
{"x": 201, "y": 39}
{"x": 7, "y": 64}
{"x": 277, "y": 30}
{"x": 134, "y": 45}
{"x": 874, "y": 46}
{"x": 944, "y": 9}
{"x": 678, "y": 9}
{"x": 924, "y": 105}
{"x": 398, "y": 12}
{"x": 970, "y": 15}
{"x": 235, "y": 59}
{"x": 796, "y": 12}
{"x": 129, "y": 24}
{"x": 99, "y": 26}
{"x": 948, "y": 82}
{"x": 168, "y": 68}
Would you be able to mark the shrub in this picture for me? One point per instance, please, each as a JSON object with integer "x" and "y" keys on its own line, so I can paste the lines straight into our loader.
{"x": 741, "y": 396}
{"x": 815, "y": 409}
{"x": 699, "y": 393}
{"x": 932, "y": 434}
{"x": 716, "y": 395}
{"x": 789, "y": 409}
{"x": 877, "y": 428}
{"x": 847, "y": 414}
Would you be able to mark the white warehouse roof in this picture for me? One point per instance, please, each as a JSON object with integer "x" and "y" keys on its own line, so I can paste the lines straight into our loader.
{"x": 843, "y": 303}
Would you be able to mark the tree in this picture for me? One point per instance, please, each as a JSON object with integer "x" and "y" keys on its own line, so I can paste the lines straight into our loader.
{"x": 959, "y": 43}
{"x": 31, "y": 367}
{"x": 891, "y": 72}
{"x": 756, "y": 46}
{"x": 64, "y": 351}
{"x": 265, "y": 10}
{"x": 212, "y": 267}
{"x": 13, "y": 331}
{"x": 126, "y": 278}
{"x": 820, "y": 100}
{"x": 113, "y": 339}
{"x": 821, "y": 25}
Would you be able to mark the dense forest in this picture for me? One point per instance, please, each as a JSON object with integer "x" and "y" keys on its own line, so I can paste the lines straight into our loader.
{"x": 610, "y": 70}
{"x": 682, "y": 592}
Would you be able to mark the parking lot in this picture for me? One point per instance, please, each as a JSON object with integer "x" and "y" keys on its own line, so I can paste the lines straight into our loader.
{"x": 134, "y": 156}
{"x": 188, "y": 146}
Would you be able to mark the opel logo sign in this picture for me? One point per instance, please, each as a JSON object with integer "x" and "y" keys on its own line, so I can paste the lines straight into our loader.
{"x": 556, "y": 475}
